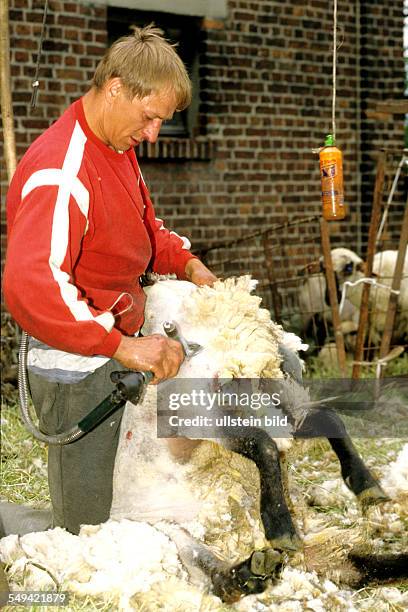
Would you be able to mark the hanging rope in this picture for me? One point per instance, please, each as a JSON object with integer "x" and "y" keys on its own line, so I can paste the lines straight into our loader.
{"x": 36, "y": 83}
{"x": 334, "y": 70}
{"x": 334, "y": 77}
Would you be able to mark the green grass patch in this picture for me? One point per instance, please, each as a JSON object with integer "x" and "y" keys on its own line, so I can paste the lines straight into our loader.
{"x": 316, "y": 369}
{"x": 23, "y": 468}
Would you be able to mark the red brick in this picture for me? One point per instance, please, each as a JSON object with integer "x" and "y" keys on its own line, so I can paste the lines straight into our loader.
{"x": 69, "y": 74}
{"x": 23, "y": 29}
{"x": 22, "y": 43}
{"x": 72, "y": 34}
{"x": 71, "y": 20}
{"x": 38, "y": 124}
{"x": 70, "y": 7}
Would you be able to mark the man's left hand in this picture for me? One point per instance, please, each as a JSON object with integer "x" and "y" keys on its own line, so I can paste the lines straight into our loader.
{"x": 198, "y": 273}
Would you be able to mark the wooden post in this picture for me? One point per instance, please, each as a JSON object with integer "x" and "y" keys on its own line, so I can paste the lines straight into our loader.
{"x": 331, "y": 285}
{"x": 396, "y": 284}
{"x": 5, "y": 86}
{"x": 272, "y": 278}
{"x": 375, "y": 220}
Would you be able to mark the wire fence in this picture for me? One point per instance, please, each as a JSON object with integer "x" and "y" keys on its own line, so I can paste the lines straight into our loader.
{"x": 286, "y": 261}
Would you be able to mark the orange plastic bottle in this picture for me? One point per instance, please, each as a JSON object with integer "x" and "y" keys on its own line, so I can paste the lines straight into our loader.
{"x": 331, "y": 173}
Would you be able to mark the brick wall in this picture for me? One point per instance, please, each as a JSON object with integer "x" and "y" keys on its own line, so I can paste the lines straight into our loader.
{"x": 265, "y": 89}
{"x": 75, "y": 41}
{"x": 382, "y": 79}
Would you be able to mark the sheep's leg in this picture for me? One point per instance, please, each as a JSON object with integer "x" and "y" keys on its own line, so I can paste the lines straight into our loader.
{"x": 326, "y": 423}
{"x": 277, "y": 521}
{"x": 229, "y": 582}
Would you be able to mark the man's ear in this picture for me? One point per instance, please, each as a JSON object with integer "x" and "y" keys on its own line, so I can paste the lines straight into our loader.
{"x": 113, "y": 88}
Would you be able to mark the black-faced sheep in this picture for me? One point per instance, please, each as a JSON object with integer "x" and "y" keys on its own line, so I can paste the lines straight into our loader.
{"x": 239, "y": 341}
{"x": 151, "y": 482}
{"x": 349, "y": 268}
{"x": 383, "y": 272}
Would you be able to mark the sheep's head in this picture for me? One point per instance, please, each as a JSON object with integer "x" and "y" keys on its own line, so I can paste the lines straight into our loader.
{"x": 347, "y": 265}
{"x": 238, "y": 336}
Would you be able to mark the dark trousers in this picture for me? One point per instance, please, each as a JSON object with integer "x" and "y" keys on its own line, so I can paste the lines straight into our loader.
{"x": 79, "y": 474}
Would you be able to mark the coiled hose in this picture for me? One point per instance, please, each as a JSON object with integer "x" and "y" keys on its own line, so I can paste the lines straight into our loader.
{"x": 129, "y": 385}
{"x": 24, "y": 394}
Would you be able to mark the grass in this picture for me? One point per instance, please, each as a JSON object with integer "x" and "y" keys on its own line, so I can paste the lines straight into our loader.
{"x": 23, "y": 468}
{"x": 316, "y": 369}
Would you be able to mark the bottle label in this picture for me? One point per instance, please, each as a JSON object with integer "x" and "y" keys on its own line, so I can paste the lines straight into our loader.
{"x": 329, "y": 171}
{"x": 333, "y": 192}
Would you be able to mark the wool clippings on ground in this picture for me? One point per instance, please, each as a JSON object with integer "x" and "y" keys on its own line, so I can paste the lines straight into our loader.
{"x": 133, "y": 564}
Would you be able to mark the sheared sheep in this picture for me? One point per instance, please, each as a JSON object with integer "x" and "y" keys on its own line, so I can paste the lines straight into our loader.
{"x": 239, "y": 341}
{"x": 150, "y": 484}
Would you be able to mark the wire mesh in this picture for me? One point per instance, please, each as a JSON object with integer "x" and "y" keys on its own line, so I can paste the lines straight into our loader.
{"x": 285, "y": 259}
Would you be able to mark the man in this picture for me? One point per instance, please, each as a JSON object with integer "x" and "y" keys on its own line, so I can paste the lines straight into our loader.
{"x": 81, "y": 232}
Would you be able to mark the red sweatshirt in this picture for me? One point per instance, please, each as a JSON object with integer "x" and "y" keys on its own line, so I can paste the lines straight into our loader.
{"x": 81, "y": 231}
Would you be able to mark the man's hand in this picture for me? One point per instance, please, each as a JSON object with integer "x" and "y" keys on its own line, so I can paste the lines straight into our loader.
{"x": 198, "y": 273}
{"x": 158, "y": 354}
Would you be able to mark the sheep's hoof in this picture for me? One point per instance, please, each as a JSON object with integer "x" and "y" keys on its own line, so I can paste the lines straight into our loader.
{"x": 230, "y": 587}
{"x": 372, "y": 496}
{"x": 288, "y": 542}
{"x": 265, "y": 562}
{"x": 249, "y": 577}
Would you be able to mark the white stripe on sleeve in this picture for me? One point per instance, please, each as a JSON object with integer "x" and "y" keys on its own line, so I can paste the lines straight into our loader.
{"x": 69, "y": 185}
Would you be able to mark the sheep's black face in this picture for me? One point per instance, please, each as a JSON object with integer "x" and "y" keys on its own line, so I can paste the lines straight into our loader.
{"x": 348, "y": 268}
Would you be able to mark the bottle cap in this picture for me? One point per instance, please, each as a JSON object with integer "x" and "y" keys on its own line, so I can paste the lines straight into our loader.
{"x": 329, "y": 141}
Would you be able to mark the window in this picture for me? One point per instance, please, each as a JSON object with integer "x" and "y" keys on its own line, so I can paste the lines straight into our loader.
{"x": 216, "y": 9}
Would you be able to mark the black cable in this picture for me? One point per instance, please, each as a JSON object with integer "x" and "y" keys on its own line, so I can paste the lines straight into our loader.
{"x": 36, "y": 83}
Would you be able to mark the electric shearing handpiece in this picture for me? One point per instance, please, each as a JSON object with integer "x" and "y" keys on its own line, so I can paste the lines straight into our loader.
{"x": 129, "y": 387}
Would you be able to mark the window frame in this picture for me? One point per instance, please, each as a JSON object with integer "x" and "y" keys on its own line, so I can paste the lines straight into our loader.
{"x": 217, "y": 9}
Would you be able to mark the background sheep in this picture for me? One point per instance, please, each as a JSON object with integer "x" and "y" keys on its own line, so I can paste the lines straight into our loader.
{"x": 383, "y": 272}
{"x": 315, "y": 308}
{"x": 314, "y": 303}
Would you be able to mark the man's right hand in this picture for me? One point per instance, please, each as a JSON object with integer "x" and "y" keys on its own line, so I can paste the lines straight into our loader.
{"x": 158, "y": 354}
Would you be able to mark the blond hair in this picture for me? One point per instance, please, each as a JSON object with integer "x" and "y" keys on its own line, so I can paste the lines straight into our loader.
{"x": 146, "y": 63}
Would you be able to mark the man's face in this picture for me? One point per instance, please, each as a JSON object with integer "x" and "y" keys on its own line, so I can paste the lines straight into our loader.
{"x": 129, "y": 122}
